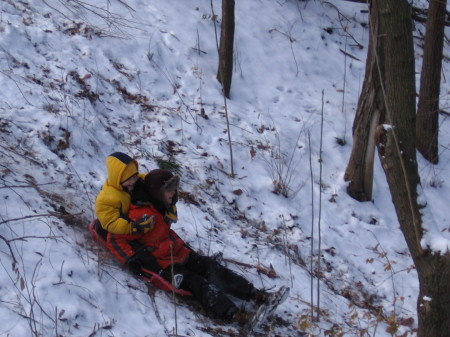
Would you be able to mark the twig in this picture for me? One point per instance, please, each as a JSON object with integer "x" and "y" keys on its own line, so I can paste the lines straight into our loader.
{"x": 287, "y": 252}
{"x": 348, "y": 54}
{"x": 85, "y": 190}
{"x": 174, "y": 85}
{"x": 173, "y": 289}
{"x": 224, "y": 96}
{"x": 22, "y": 186}
{"x": 320, "y": 209}
{"x": 384, "y": 254}
{"x": 158, "y": 316}
{"x": 282, "y": 166}
{"x": 29, "y": 217}
{"x": 312, "y": 229}
{"x": 343, "y": 89}
{"x": 18, "y": 87}
{"x": 443, "y": 112}
{"x": 291, "y": 42}
{"x": 344, "y": 28}
{"x": 269, "y": 272}
{"x": 10, "y": 249}
{"x": 24, "y": 238}
{"x": 23, "y": 155}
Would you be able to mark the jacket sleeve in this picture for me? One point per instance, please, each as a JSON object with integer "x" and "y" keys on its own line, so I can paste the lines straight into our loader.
{"x": 109, "y": 212}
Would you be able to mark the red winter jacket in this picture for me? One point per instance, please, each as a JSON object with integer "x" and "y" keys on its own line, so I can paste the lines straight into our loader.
{"x": 165, "y": 245}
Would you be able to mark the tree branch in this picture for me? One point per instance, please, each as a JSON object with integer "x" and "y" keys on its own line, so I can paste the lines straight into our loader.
{"x": 9, "y": 247}
{"x": 28, "y": 217}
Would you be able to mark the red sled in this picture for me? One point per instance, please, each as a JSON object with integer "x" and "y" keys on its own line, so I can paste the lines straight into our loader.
{"x": 99, "y": 236}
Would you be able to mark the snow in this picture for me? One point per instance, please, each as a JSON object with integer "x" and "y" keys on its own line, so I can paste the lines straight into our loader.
{"x": 82, "y": 81}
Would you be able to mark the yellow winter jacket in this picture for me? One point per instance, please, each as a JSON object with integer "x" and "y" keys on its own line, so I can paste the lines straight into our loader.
{"x": 113, "y": 202}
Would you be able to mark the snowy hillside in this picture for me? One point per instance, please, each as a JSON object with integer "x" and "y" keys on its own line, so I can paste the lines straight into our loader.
{"x": 81, "y": 80}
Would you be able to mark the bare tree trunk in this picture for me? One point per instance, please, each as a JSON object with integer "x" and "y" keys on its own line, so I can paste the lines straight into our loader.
{"x": 397, "y": 150}
{"x": 427, "y": 124}
{"x": 371, "y": 109}
{"x": 225, "y": 68}
{"x": 433, "y": 269}
{"x": 434, "y": 296}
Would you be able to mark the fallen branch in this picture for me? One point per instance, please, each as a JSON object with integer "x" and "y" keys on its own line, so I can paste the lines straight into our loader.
{"x": 61, "y": 214}
{"x": 349, "y": 55}
{"x": 28, "y": 217}
{"x": 269, "y": 272}
{"x": 21, "y": 186}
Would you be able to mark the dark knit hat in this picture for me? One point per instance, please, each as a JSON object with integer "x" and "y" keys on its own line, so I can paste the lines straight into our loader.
{"x": 159, "y": 181}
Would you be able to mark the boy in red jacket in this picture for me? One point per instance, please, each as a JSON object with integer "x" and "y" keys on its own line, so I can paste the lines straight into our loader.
{"x": 208, "y": 281}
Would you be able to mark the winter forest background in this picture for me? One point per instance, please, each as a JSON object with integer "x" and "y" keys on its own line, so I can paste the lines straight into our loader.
{"x": 81, "y": 80}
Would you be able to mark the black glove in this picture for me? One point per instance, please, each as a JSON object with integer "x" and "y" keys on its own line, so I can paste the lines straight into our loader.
{"x": 143, "y": 259}
{"x": 135, "y": 265}
{"x": 143, "y": 225}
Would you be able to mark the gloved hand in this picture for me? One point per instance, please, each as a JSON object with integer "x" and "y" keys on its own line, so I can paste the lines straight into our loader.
{"x": 143, "y": 225}
{"x": 135, "y": 266}
{"x": 142, "y": 260}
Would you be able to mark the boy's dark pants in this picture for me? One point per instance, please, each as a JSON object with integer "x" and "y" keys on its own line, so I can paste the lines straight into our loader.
{"x": 209, "y": 282}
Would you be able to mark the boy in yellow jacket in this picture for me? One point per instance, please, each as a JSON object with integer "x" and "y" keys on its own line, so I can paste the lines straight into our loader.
{"x": 113, "y": 201}
{"x": 112, "y": 206}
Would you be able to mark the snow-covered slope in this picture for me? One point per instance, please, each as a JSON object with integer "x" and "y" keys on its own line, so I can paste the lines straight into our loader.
{"x": 81, "y": 80}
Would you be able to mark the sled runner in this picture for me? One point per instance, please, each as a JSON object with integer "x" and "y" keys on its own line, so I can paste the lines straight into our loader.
{"x": 147, "y": 275}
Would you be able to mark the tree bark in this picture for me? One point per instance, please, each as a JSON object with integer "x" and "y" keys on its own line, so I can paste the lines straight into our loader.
{"x": 225, "y": 68}
{"x": 397, "y": 151}
{"x": 433, "y": 269}
{"x": 427, "y": 124}
{"x": 434, "y": 297}
{"x": 359, "y": 171}
{"x": 417, "y": 13}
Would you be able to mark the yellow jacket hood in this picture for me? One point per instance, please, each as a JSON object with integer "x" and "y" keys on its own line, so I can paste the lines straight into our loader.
{"x": 116, "y": 164}
{"x": 113, "y": 202}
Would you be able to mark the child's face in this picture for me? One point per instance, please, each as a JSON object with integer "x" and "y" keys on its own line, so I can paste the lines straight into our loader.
{"x": 168, "y": 196}
{"x": 128, "y": 184}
